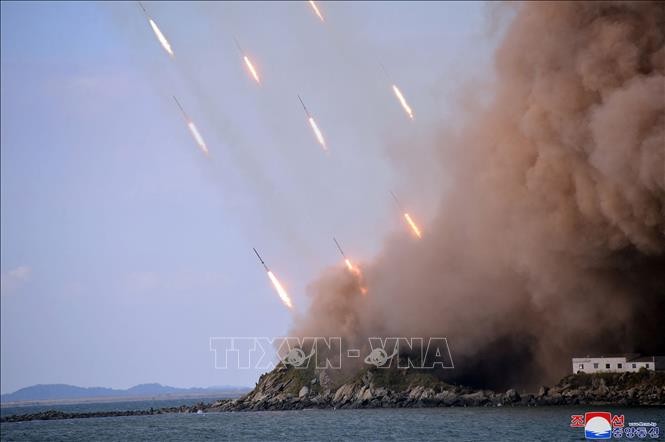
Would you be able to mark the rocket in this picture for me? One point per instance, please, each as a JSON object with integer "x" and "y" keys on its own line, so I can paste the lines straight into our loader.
{"x": 261, "y": 259}
{"x": 398, "y": 94}
{"x": 238, "y": 45}
{"x": 192, "y": 128}
{"x": 355, "y": 270}
{"x": 314, "y": 126}
{"x": 248, "y": 62}
{"x": 399, "y": 205}
{"x": 184, "y": 114}
{"x": 304, "y": 107}
{"x": 412, "y": 224}
{"x": 158, "y": 33}
{"x": 283, "y": 295}
{"x": 339, "y": 248}
{"x": 385, "y": 72}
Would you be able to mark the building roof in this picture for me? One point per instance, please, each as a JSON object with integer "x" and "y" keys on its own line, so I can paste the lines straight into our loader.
{"x": 630, "y": 357}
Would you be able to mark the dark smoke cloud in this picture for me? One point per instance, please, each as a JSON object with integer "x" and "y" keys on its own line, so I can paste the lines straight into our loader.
{"x": 552, "y": 240}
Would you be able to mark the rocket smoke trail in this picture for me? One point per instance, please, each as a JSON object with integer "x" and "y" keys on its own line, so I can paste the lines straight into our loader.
{"x": 550, "y": 235}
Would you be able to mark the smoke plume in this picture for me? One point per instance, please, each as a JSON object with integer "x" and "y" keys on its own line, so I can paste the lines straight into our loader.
{"x": 551, "y": 242}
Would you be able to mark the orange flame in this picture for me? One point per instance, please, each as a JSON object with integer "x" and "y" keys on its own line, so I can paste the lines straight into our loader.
{"x": 251, "y": 68}
{"x": 403, "y": 102}
{"x": 283, "y": 295}
{"x": 355, "y": 270}
{"x": 316, "y": 10}
{"x": 349, "y": 266}
{"x": 413, "y": 225}
{"x": 162, "y": 40}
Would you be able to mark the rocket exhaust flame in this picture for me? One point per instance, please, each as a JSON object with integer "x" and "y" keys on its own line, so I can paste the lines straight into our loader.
{"x": 316, "y": 10}
{"x": 252, "y": 70}
{"x": 349, "y": 265}
{"x": 162, "y": 40}
{"x": 315, "y": 128}
{"x": 317, "y": 133}
{"x": 355, "y": 270}
{"x": 248, "y": 63}
{"x": 402, "y": 101}
{"x": 280, "y": 290}
{"x": 414, "y": 227}
{"x": 192, "y": 129}
{"x": 283, "y": 295}
{"x": 155, "y": 29}
{"x": 398, "y": 93}
{"x": 197, "y": 137}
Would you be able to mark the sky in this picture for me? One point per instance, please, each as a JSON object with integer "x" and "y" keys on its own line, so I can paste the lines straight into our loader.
{"x": 124, "y": 249}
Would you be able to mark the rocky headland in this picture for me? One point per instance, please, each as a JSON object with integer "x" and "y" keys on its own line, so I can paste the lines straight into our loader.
{"x": 289, "y": 388}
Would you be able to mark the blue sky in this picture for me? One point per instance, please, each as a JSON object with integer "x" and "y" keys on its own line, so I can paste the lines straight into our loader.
{"x": 123, "y": 248}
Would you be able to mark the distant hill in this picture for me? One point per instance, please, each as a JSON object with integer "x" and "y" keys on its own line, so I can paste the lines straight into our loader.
{"x": 50, "y": 392}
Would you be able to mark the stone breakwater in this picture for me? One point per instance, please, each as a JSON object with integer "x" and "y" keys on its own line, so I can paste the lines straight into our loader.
{"x": 57, "y": 414}
{"x": 292, "y": 389}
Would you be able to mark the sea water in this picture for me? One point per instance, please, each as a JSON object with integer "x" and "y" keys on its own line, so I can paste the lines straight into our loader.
{"x": 457, "y": 424}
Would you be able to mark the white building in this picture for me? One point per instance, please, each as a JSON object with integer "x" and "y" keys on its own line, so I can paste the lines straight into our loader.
{"x": 616, "y": 363}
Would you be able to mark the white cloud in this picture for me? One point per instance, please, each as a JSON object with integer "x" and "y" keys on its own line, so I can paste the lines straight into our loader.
{"x": 14, "y": 278}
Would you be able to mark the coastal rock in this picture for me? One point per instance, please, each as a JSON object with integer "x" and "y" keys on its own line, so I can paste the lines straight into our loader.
{"x": 474, "y": 399}
{"x": 344, "y": 393}
{"x": 448, "y": 398}
{"x": 365, "y": 394}
{"x": 512, "y": 396}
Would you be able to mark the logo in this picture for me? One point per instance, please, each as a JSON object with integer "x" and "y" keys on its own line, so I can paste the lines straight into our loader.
{"x": 599, "y": 425}
{"x": 378, "y": 357}
{"x": 329, "y": 352}
{"x": 296, "y": 357}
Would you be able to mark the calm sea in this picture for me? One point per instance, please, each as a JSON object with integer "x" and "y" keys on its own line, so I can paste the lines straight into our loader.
{"x": 458, "y": 424}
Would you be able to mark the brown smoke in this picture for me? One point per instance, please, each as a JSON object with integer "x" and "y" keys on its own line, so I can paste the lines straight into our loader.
{"x": 552, "y": 240}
